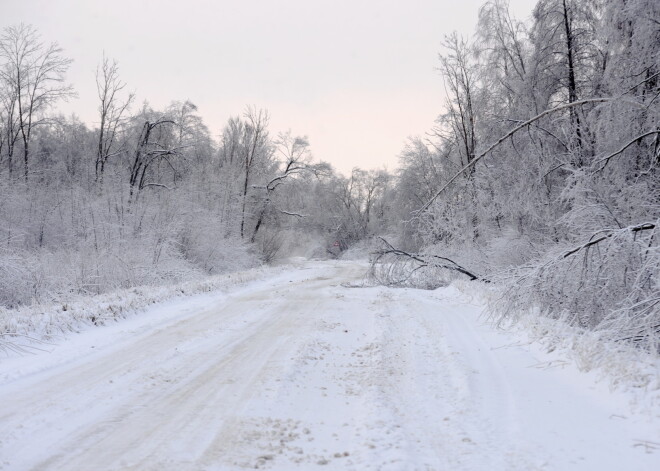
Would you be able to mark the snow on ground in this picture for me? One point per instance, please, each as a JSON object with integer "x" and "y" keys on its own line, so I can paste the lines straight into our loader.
{"x": 301, "y": 372}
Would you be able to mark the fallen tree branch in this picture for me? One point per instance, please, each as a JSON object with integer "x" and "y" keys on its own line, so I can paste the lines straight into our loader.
{"x": 424, "y": 262}
{"x": 291, "y": 214}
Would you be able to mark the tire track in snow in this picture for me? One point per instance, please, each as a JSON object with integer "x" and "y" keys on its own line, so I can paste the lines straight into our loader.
{"x": 308, "y": 374}
{"x": 156, "y": 390}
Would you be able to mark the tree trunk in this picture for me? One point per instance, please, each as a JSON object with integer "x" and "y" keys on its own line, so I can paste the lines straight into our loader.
{"x": 572, "y": 86}
{"x": 245, "y": 189}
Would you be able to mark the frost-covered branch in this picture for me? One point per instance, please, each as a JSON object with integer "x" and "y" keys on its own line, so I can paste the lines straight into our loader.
{"x": 474, "y": 161}
{"x": 640, "y": 227}
{"x": 292, "y": 214}
{"x": 421, "y": 261}
{"x": 605, "y": 160}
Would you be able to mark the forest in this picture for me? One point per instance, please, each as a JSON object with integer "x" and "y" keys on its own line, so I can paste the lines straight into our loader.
{"x": 540, "y": 177}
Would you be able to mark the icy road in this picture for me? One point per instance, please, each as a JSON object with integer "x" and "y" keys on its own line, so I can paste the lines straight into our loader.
{"x": 300, "y": 372}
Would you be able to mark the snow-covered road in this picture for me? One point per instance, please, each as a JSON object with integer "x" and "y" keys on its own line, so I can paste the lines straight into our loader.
{"x": 300, "y": 372}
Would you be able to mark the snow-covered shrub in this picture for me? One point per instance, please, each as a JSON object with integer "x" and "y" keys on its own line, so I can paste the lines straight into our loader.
{"x": 14, "y": 278}
{"x": 269, "y": 245}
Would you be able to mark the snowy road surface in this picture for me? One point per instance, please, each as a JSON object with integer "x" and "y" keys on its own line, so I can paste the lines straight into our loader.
{"x": 299, "y": 372}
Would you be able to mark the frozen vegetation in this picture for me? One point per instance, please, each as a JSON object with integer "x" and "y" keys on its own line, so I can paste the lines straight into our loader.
{"x": 532, "y": 205}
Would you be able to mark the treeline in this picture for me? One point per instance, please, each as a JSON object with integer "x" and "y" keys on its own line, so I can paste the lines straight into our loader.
{"x": 542, "y": 170}
{"x": 148, "y": 196}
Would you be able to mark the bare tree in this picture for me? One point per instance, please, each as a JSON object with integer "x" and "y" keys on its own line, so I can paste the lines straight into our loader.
{"x": 568, "y": 56}
{"x": 231, "y": 139}
{"x": 296, "y": 159}
{"x": 461, "y": 81}
{"x": 150, "y": 151}
{"x": 458, "y": 125}
{"x": 9, "y": 133}
{"x": 34, "y": 74}
{"x": 500, "y": 38}
{"x": 111, "y": 109}
{"x": 257, "y": 144}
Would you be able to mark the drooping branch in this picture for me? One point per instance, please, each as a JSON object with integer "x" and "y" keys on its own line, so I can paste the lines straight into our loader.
{"x": 606, "y": 160}
{"x": 640, "y": 227}
{"x": 157, "y": 185}
{"x": 631, "y": 89}
{"x": 504, "y": 138}
{"x": 291, "y": 169}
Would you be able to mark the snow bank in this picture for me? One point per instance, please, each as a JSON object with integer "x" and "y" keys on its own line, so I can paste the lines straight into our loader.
{"x": 25, "y": 328}
{"x": 621, "y": 365}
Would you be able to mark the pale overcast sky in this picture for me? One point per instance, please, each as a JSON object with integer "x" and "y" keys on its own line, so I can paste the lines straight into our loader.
{"x": 357, "y": 77}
